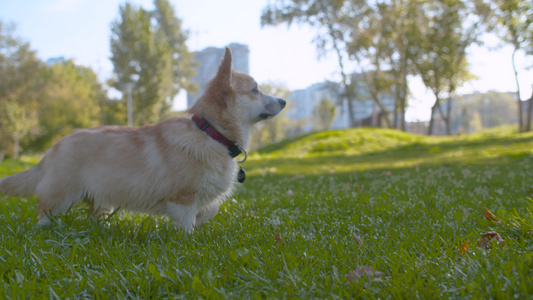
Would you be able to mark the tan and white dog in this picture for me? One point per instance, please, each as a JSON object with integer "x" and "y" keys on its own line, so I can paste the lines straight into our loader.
{"x": 182, "y": 168}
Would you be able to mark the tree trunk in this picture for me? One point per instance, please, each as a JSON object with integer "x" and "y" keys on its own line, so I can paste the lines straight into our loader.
{"x": 353, "y": 122}
{"x": 451, "y": 91}
{"x": 403, "y": 103}
{"x": 520, "y": 115}
{"x": 432, "y": 119}
{"x": 445, "y": 118}
{"x": 16, "y": 145}
{"x": 376, "y": 102}
{"x": 395, "y": 112}
{"x": 433, "y": 109}
{"x": 374, "y": 93}
{"x": 405, "y": 88}
{"x": 347, "y": 91}
{"x": 374, "y": 115}
{"x": 402, "y": 113}
{"x": 449, "y": 116}
{"x": 529, "y": 112}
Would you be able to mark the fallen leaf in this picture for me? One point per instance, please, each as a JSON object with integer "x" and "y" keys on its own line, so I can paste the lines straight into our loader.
{"x": 366, "y": 273}
{"x": 490, "y": 216}
{"x": 488, "y": 238}
{"x": 357, "y": 239}
{"x": 387, "y": 174}
{"x": 279, "y": 239}
{"x": 464, "y": 247}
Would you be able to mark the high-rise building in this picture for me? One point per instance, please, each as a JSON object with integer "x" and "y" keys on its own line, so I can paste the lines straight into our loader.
{"x": 54, "y": 60}
{"x": 209, "y": 61}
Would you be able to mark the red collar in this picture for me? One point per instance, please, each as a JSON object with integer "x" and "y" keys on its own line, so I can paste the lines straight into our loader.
{"x": 211, "y": 131}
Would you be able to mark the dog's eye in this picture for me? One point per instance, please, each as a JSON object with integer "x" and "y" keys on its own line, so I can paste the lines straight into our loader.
{"x": 255, "y": 90}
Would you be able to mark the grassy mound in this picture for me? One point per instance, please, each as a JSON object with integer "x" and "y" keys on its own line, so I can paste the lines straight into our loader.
{"x": 362, "y": 140}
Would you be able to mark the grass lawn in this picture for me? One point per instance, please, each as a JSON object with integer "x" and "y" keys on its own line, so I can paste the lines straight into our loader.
{"x": 314, "y": 212}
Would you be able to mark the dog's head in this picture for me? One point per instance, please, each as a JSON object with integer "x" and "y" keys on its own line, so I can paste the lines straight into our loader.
{"x": 234, "y": 101}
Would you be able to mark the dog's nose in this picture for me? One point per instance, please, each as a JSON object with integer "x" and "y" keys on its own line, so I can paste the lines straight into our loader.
{"x": 282, "y": 102}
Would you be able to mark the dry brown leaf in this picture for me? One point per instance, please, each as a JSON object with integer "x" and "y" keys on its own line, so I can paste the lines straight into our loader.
{"x": 490, "y": 216}
{"x": 464, "y": 247}
{"x": 279, "y": 239}
{"x": 357, "y": 239}
{"x": 366, "y": 273}
{"x": 488, "y": 238}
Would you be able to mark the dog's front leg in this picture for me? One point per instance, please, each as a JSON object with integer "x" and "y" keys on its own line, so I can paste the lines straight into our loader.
{"x": 207, "y": 213}
{"x": 182, "y": 215}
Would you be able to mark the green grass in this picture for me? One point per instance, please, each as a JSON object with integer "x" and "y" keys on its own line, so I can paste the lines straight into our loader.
{"x": 416, "y": 203}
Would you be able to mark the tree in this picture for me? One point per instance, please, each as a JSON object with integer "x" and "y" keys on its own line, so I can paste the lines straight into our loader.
{"x": 72, "y": 98}
{"x": 324, "y": 114}
{"x": 333, "y": 19}
{"x": 18, "y": 123}
{"x": 113, "y": 112}
{"x": 485, "y": 110}
{"x": 512, "y": 21}
{"x": 441, "y": 58}
{"x": 169, "y": 29}
{"x": 399, "y": 35}
{"x": 148, "y": 49}
{"x": 20, "y": 89}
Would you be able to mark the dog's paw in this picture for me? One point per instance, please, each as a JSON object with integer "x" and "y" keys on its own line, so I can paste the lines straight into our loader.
{"x": 182, "y": 216}
{"x": 186, "y": 230}
{"x": 44, "y": 221}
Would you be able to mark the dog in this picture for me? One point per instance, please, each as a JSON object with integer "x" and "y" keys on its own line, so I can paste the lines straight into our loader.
{"x": 181, "y": 167}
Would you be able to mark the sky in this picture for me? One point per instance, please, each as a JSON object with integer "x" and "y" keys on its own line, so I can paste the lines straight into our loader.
{"x": 80, "y": 30}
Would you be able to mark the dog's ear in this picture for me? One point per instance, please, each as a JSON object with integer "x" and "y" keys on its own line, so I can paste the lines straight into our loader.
{"x": 223, "y": 76}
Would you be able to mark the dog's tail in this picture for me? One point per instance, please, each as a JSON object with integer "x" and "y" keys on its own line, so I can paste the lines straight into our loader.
{"x": 23, "y": 183}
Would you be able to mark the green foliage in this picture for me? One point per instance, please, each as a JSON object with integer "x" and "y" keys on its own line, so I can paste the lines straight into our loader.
{"x": 512, "y": 21}
{"x": 148, "y": 49}
{"x": 20, "y": 90}
{"x": 415, "y": 204}
{"x": 388, "y": 42}
{"x": 72, "y": 98}
{"x": 169, "y": 29}
{"x": 114, "y": 112}
{"x": 16, "y": 122}
{"x": 324, "y": 113}
{"x": 336, "y": 22}
{"x": 441, "y": 60}
{"x": 40, "y": 104}
{"x": 491, "y": 109}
